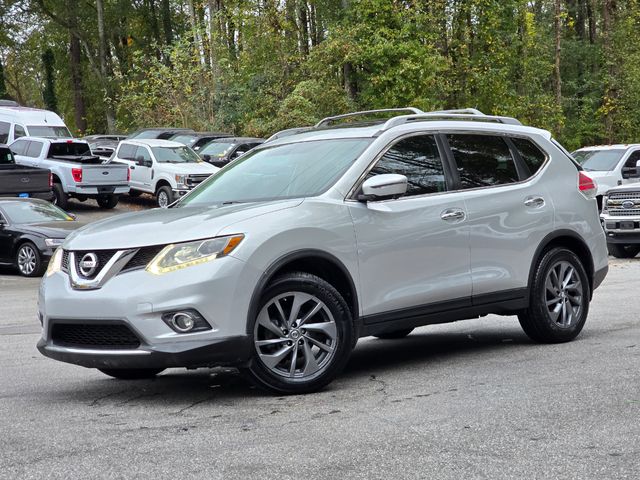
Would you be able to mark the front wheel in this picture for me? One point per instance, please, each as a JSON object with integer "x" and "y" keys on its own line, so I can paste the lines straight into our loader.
{"x": 131, "y": 373}
{"x": 559, "y": 301}
{"x": 28, "y": 260}
{"x": 623, "y": 251}
{"x": 302, "y": 335}
{"x": 107, "y": 201}
{"x": 164, "y": 197}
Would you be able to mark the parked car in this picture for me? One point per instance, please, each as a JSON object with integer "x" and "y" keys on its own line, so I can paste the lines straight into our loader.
{"x": 223, "y": 150}
{"x": 197, "y": 140}
{"x": 77, "y": 173}
{"x": 610, "y": 165}
{"x": 158, "y": 133}
{"x": 30, "y": 231}
{"x": 621, "y": 220}
{"x": 16, "y": 122}
{"x": 103, "y": 145}
{"x": 162, "y": 168}
{"x": 22, "y": 181}
{"x": 280, "y": 261}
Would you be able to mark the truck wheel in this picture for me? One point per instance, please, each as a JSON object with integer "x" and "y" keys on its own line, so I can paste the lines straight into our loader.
{"x": 559, "y": 299}
{"x": 107, "y": 201}
{"x": 28, "y": 260}
{"x": 302, "y": 335}
{"x": 164, "y": 197}
{"x": 60, "y": 198}
{"x": 623, "y": 251}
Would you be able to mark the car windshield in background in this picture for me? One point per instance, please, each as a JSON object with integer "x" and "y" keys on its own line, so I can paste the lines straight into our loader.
{"x": 69, "y": 149}
{"x": 175, "y": 155}
{"x": 598, "y": 160}
{"x": 216, "y": 149}
{"x": 185, "y": 139}
{"x": 6, "y": 157}
{"x": 34, "y": 212}
{"x": 304, "y": 169}
{"x": 48, "y": 132}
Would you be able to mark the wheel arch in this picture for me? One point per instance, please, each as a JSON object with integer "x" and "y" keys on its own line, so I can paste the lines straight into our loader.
{"x": 27, "y": 239}
{"x": 317, "y": 262}
{"x": 162, "y": 182}
{"x": 570, "y": 240}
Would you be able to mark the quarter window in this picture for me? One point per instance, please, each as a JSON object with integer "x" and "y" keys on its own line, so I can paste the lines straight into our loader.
{"x": 532, "y": 156}
{"x": 4, "y": 132}
{"x": 482, "y": 160}
{"x": 418, "y": 159}
{"x": 19, "y": 147}
{"x": 18, "y": 131}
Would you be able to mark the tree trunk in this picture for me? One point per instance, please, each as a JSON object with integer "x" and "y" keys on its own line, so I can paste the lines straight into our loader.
{"x": 557, "y": 79}
{"x": 611, "y": 91}
{"x": 195, "y": 27}
{"x": 591, "y": 8}
{"x": 165, "y": 8}
{"x": 102, "y": 53}
{"x": 303, "y": 28}
{"x": 79, "y": 110}
{"x": 348, "y": 75}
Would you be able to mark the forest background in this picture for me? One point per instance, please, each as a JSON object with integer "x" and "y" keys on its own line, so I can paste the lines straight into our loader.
{"x": 257, "y": 66}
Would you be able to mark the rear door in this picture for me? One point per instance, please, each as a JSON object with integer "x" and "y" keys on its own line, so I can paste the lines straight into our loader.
{"x": 509, "y": 210}
{"x": 413, "y": 252}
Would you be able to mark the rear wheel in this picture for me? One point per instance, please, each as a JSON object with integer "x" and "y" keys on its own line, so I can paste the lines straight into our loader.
{"x": 623, "y": 251}
{"x": 131, "y": 373}
{"x": 107, "y": 201}
{"x": 559, "y": 301}
{"x": 395, "y": 334}
{"x": 28, "y": 260}
{"x": 60, "y": 198}
{"x": 164, "y": 197}
{"x": 302, "y": 335}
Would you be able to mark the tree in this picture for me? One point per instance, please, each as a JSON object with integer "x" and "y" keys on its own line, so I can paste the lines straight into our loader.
{"x": 49, "y": 92}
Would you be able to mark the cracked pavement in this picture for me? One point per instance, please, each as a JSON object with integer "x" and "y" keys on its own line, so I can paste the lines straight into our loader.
{"x": 474, "y": 399}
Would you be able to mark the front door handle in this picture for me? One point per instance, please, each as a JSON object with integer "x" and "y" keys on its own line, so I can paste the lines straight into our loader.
{"x": 452, "y": 215}
{"x": 534, "y": 202}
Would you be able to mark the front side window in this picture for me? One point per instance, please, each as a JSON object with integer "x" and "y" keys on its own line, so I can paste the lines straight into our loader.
{"x": 142, "y": 154}
{"x": 48, "y": 132}
{"x": 18, "y": 131}
{"x": 175, "y": 155}
{"x": 599, "y": 160}
{"x": 34, "y": 149}
{"x": 4, "y": 132}
{"x": 294, "y": 170}
{"x": 482, "y": 160}
{"x": 418, "y": 159}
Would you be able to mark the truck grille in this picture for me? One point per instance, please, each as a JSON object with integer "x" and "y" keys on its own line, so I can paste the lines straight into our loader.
{"x": 194, "y": 180}
{"x": 94, "y": 336}
{"x": 623, "y": 204}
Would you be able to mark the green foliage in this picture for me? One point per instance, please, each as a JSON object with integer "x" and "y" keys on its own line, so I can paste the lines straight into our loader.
{"x": 49, "y": 92}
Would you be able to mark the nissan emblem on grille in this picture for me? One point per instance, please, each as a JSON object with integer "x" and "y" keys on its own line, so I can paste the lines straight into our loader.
{"x": 88, "y": 264}
{"x": 627, "y": 204}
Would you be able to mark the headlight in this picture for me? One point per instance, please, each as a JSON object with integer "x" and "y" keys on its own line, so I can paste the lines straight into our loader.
{"x": 605, "y": 201}
{"x": 55, "y": 263}
{"x": 53, "y": 242}
{"x": 182, "y": 255}
{"x": 181, "y": 179}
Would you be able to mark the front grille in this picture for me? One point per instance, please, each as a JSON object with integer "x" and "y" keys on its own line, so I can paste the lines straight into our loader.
{"x": 103, "y": 257}
{"x": 94, "y": 336}
{"x": 624, "y": 196}
{"x": 619, "y": 212}
{"x": 193, "y": 180}
{"x": 142, "y": 258}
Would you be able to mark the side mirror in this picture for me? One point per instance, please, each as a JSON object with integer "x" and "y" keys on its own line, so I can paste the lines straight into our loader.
{"x": 631, "y": 172}
{"x": 143, "y": 163}
{"x": 388, "y": 185}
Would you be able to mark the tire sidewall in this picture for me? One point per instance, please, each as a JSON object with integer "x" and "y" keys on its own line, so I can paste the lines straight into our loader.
{"x": 38, "y": 267}
{"x": 306, "y": 283}
{"x": 60, "y": 198}
{"x": 167, "y": 192}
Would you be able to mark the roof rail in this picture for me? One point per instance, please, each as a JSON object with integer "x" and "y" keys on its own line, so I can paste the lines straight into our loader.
{"x": 328, "y": 120}
{"x": 449, "y": 115}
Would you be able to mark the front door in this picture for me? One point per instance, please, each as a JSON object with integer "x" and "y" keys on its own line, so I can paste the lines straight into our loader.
{"x": 142, "y": 175}
{"x": 413, "y": 251}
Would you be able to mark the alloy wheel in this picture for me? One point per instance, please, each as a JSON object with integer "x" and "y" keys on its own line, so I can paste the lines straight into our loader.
{"x": 163, "y": 200}
{"x": 564, "y": 294}
{"x": 295, "y": 335}
{"x": 27, "y": 260}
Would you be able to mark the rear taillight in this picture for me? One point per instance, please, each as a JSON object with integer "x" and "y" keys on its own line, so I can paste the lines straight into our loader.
{"x": 77, "y": 174}
{"x": 128, "y": 174}
{"x": 50, "y": 180}
{"x": 587, "y": 185}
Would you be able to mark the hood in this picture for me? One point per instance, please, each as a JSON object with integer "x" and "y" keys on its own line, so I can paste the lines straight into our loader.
{"x": 189, "y": 168}
{"x": 162, "y": 226}
{"x": 59, "y": 229}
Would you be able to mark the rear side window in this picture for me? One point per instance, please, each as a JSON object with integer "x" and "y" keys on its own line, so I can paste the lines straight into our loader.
{"x": 19, "y": 147}
{"x": 18, "y": 131}
{"x": 418, "y": 159}
{"x": 69, "y": 149}
{"x": 4, "y": 132}
{"x": 482, "y": 160}
{"x": 127, "y": 151}
{"x": 532, "y": 156}
{"x": 33, "y": 150}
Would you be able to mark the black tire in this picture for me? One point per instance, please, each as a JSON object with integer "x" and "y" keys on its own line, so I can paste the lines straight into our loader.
{"x": 135, "y": 193}
{"x": 161, "y": 194}
{"x": 108, "y": 201}
{"x": 60, "y": 198}
{"x": 334, "y": 313}
{"x": 131, "y": 373}
{"x": 537, "y": 321}
{"x": 395, "y": 334}
{"x": 28, "y": 260}
{"x": 619, "y": 250}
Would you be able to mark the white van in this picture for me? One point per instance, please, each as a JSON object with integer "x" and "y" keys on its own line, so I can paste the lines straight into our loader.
{"x": 16, "y": 122}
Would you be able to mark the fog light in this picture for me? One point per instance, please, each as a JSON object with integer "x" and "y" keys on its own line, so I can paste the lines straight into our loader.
{"x": 185, "y": 321}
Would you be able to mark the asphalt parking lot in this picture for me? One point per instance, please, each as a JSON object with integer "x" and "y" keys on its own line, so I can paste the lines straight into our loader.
{"x": 475, "y": 399}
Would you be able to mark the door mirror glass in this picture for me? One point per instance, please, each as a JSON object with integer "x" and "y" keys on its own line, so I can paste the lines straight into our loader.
{"x": 389, "y": 185}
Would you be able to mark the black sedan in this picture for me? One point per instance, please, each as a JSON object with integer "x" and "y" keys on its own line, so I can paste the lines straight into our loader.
{"x": 30, "y": 231}
{"x": 221, "y": 151}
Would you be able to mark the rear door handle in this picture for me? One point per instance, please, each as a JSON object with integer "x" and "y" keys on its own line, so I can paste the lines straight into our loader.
{"x": 534, "y": 202}
{"x": 452, "y": 215}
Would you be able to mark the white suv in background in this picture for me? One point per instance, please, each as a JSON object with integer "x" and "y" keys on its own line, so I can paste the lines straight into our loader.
{"x": 163, "y": 168}
{"x": 279, "y": 262}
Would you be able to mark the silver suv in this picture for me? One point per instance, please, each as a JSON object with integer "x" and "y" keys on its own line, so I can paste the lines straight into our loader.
{"x": 280, "y": 261}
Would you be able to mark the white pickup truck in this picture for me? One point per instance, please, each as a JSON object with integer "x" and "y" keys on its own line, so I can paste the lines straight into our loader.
{"x": 76, "y": 172}
{"x": 163, "y": 168}
{"x": 609, "y": 165}
{"x": 620, "y": 219}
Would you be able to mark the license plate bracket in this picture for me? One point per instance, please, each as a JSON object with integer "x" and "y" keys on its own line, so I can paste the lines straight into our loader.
{"x": 106, "y": 190}
{"x": 23, "y": 195}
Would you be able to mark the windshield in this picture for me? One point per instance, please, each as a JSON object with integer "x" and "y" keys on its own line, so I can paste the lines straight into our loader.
{"x": 598, "y": 160}
{"x": 304, "y": 169}
{"x": 175, "y": 155}
{"x": 6, "y": 156}
{"x": 49, "y": 132}
{"x": 34, "y": 212}
{"x": 184, "y": 139}
{"x": 216, "y": 149}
